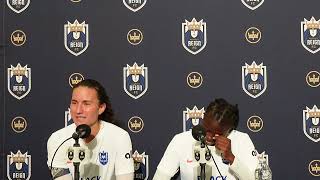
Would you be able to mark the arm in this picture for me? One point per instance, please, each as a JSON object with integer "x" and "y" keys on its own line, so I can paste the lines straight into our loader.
{"x": 124, "y": 169}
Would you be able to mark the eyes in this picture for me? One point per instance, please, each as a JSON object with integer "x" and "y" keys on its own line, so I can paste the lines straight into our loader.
{"x": 85, "y": 103}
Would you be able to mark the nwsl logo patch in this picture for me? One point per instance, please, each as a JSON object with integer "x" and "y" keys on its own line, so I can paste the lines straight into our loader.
{"x": 134, "y": 5}
{"x": 310, "y": 35}
{"x": 19, "y": 81}
{"x": 76, "y": 37}
{"x": 103, "y": 157}
{"x": 135, "y": 80}
{"x": 254, "y": 79}
{"x": 19, "y": 166}
{"x": 141, "y": 166}
{"x": 311, "y": 125}
{"x": 18, "y": 6}
{"x": 194, "y": 36}
{"x": 192, "y": 118}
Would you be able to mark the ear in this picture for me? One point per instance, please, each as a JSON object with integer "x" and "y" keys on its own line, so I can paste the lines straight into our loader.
{"x": 102, "y": 108}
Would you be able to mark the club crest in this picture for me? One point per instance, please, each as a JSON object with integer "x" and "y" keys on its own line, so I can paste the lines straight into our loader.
{"x": 192, "y": 117}
{"x": 194, "y": 36}
{"x": 254, "y": 79}
{"x": 18, "y": 6}
{"x": 134, "y": 5}
{"x": 135, "y": 80}
{"x": 103, "y": 157}
{"x": 19, "y": 81}
{"x": 310, "y": 35}
{"x": 76, "y": 37}
{"x": 252, "y": 4}
{"x": 311, "y": 125}
{"x": 18, "y": 166}
{"x": 141, "y": 165}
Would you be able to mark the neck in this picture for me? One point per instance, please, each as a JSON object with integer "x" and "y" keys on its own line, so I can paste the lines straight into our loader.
{"x": 94, "y": 131}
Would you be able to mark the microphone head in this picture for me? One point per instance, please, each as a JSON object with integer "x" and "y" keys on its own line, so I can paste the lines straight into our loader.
{"x": 198, "y": 132}
{"x": 83, "y": 131}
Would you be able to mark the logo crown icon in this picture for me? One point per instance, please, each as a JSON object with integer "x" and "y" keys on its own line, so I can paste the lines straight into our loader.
{"x": 312, "y": 24}
{"x": 19, "y": 70}
{"x": 194, "y": 25}
{"x": 254, "y": 68}
{"x": 134, "y": 37}
{"x": 195, "y": 113}
{"x": 138, "y": 157}
{"x": 314, "y": 112}
{"x": 255, "y": 124}
{"x": 253, "y": 35}
{"x": 76, "y": 80}
{"x": 135, "y": 69}
{"x": 19, "y": 157}
{"x": 76, "y": 27}
{"x": 314, "y": 79}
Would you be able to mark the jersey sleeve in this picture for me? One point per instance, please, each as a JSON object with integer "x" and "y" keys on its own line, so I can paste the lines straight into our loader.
{"x": 124, "y": 161}
{"x": 170, "y": 161}
{"x": 245, "y": 161}
{"x": 60, "y": 159}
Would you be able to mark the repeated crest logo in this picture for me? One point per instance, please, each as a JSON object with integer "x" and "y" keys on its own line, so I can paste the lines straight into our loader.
{"x": 76, "y": 37}
{"x": 134, "y": 36}
{"x": 255, "y": 123}
{"x": 67, "y": 118}
{"x": 310, "y": 34}
{"x": 311, "y": 125}
{"x": 194, "y": 35}
{"x": 135, "y": 124}
{"x": 19, "y": 166}
{"x": 192, "y": 117}
{"x": 19, "y": 124}
{"x": 312, "y": 79}
{"x": 141, "y": 165}
{"x": 75, "y": 78}
{"x": 134, "y": 5}
{"x": 135, "y": 80}
{"x": 194, "y": 79}
{"x": 314, "y": 168}
{"x": 19, "y": 81}
{"x": 18, "y": 5}
{"x": 253, "y": 35}
{"x": 254, "y": 79}
{"x": 252, "y": 4}
{"x": 18, "y": 38}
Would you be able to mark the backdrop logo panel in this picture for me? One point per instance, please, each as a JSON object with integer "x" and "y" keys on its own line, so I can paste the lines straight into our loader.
{"x": 252, "y": 4}
{"x": 135, "y": 80}
{"x": 254, "y": 79}
{"x": 75, "y": 78}
{"x": 255, "y": 123}
{"x": 141, "y": 165}
{"x": 192, "y": 117}
{"x": 134, "y": 5}
{"x": 76, "y": 37}
{"x": 314, "y": 168}
{"x": 312, "y": 78}
{"x": 18, "y": 5}
{"x": 134, "y": 36}
{"x": 194, "y": 79}
{"x": 19, "y": 124}
{"x": 310, "y": 34}
{"x": 311, "y": 125}
{"x": 135, "y": 124}
{"x": 194, "y": 35}
{"x": 18, "y": 38}
{"x": 18, "y": 166}
{"x": 67, "y": 118}
{"x": 19, "y": 81}
{"x": 253, "y": 35}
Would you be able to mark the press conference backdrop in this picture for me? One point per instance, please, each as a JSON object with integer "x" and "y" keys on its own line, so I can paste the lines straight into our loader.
{"x": 162, "y": 62}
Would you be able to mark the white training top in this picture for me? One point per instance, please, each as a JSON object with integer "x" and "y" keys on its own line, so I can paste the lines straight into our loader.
{"x": 108, "y": 155}
{"x": 181, "y": 153}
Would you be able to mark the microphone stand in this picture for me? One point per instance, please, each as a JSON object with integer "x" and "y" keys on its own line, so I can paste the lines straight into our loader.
{"x": 76, "y": 164}
{"x": 202, "y": 166}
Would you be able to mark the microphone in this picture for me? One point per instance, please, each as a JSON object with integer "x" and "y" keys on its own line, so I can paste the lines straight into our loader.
{"x": 82, "y": 131}
{"x": 199, "y": 133}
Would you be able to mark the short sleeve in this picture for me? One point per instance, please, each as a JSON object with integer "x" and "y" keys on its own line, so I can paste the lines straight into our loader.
{"x": 124, "y": 161}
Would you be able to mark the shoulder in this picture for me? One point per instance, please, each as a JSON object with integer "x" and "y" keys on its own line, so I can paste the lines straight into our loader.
{"x": 62, "y": 134}
{"x": 235, "y": 134}
{"x": 183, "y": 138}
{"x": 114, "y": 130}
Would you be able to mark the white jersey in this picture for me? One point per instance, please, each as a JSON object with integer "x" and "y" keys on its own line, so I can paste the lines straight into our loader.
{"x": 181, "y": 151}
{"x": 108, "y": 155}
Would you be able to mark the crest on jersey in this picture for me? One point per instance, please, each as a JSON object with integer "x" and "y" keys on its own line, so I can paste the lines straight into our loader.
{"x": 310, "y": 35}
{"x": 76, "y": 37}
{"x": 192, "y": 117}
{"x": 252, "y": 4}
{"x": 134, "y": 5}
{"x": 103, "y": 157}
{"x": 194, "y": 35}
{"x": 311, "y": 125}
{"x": 135, "y": 80}
{"x": 254, "y": 79}
{"x": 18, "y": 166}
{"x": 19, "y": 81}
{"x": 18, "y": 6}
{"x": 141, "y": 165}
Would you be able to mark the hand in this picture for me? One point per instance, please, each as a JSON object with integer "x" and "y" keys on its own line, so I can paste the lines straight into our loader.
{"x": 223, "y": 144}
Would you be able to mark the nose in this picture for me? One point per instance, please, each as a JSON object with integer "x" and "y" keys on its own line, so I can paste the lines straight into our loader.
{"x": 79, "y": 109}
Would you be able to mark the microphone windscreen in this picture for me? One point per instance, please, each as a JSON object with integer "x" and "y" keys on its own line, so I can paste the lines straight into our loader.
{"x": 83, "y": 130}
{"x": 198, "y": 131}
